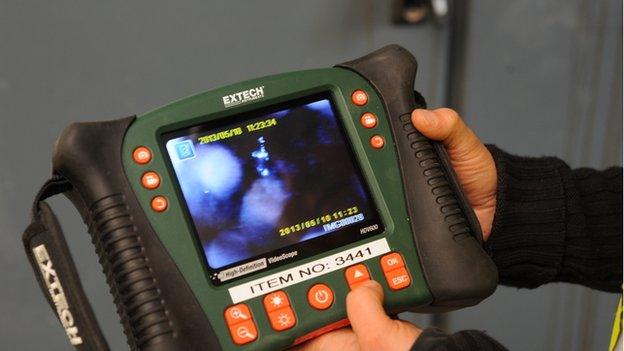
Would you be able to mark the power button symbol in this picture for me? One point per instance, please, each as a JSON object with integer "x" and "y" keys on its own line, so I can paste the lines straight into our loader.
{"x": 320, "y": 296}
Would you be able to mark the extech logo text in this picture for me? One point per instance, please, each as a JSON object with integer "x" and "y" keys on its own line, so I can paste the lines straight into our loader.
{"x": 243, "y": 96}
{"x": 57, "y": 294}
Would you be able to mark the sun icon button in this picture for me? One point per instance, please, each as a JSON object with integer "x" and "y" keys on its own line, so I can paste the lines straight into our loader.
{"x": 276, "y": 300}
{"x": 282, "y": 319}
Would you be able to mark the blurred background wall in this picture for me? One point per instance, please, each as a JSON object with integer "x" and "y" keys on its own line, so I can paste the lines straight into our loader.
{"x": 536, "y": 77}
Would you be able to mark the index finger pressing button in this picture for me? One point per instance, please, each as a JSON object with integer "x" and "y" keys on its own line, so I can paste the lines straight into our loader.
{"x": 356, "y": 274}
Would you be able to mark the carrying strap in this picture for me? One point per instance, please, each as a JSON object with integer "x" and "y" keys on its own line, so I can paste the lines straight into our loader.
{"x": 56, "y": 273}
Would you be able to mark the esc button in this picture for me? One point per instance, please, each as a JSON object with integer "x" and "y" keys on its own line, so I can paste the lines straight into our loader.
{"x": 398, "y": 279}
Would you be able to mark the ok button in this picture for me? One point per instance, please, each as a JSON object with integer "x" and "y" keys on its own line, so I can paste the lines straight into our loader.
{"x": 320, "y": 296}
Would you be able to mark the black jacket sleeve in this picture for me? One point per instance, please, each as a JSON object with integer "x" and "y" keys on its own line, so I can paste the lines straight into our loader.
{"x": 552, "y": 224}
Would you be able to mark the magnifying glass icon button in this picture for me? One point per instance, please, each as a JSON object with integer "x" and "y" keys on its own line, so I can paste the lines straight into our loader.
{"x": 243, "y": 332}
{"x": 238, "y": 314}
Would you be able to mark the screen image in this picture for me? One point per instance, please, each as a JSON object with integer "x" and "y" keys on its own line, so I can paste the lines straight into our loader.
{"x": 266, "y": 187}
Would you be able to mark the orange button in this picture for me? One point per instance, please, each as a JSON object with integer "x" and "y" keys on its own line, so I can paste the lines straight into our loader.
{"x": 276, "y": 300}
{"x": 142, "y": 155}
{"x": 150, "y": 180}
{"x": 391, "y": 262}
{"x": 244, "y": 332}
{"x": 356, "y": 274}
{"x": 359, "y": 97}
{"x": 320, "y": 296}
{"x": 159, "y": 203}
{"x": 377, "y": 141}
{"x": 398, "y": 279}
{"x": 368, "y": 120}
{"x": 237, "y": 314}
{"x": 282, "y": 319}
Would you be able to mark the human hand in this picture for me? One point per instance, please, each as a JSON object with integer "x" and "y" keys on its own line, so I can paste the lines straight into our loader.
{"x": 371, "y": 328}
{"x": 471, "y": 160}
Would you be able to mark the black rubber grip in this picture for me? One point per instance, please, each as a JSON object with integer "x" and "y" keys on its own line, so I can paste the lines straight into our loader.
{"x": 447, "y": 235}
{"x": 127, "y": 271}
{"x": 155, "y": 304}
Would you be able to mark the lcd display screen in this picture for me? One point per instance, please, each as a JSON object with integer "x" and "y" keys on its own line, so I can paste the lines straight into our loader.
{"x": 270, "y": 186}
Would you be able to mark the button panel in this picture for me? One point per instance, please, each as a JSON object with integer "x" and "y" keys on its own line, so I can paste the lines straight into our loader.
{"x": 395, "y": 272}
{"x": 320, "y": 296}
{"x": 356, "y": 275}
{"x": 241, "y": 324}
{"x": 280, "y": 313}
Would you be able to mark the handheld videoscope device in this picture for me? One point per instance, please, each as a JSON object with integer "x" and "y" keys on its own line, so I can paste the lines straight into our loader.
{"x": 240, "y": 218}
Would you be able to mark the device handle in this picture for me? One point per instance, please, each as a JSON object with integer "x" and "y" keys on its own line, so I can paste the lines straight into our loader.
{"x": 155, "y": 303}
{"x": 446, "y": 232}
{"x": 56, "y": 273}
{"x": 157, "y": 308}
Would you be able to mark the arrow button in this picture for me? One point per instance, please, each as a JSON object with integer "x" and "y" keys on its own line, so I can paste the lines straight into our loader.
{"x": 356, "y": 274}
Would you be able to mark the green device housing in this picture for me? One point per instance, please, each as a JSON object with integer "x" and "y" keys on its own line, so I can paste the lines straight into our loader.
{"x": 167, "y": 295}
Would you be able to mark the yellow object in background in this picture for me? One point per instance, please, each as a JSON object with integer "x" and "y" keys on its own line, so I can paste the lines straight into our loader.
{"x": 616, "y": 335}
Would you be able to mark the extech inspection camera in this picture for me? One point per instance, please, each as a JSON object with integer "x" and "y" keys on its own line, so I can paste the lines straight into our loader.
{"x": 240, "y": 218}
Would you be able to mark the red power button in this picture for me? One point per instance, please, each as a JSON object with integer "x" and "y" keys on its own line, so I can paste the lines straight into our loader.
{"x": 320, "y": 296}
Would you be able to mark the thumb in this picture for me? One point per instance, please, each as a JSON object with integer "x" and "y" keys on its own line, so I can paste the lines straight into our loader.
{"x": 446, "y": 126}
{"x": 372, "y": 326}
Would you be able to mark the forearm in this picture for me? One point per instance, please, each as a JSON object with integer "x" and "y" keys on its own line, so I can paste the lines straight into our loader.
{"x": 555, "y": 224}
